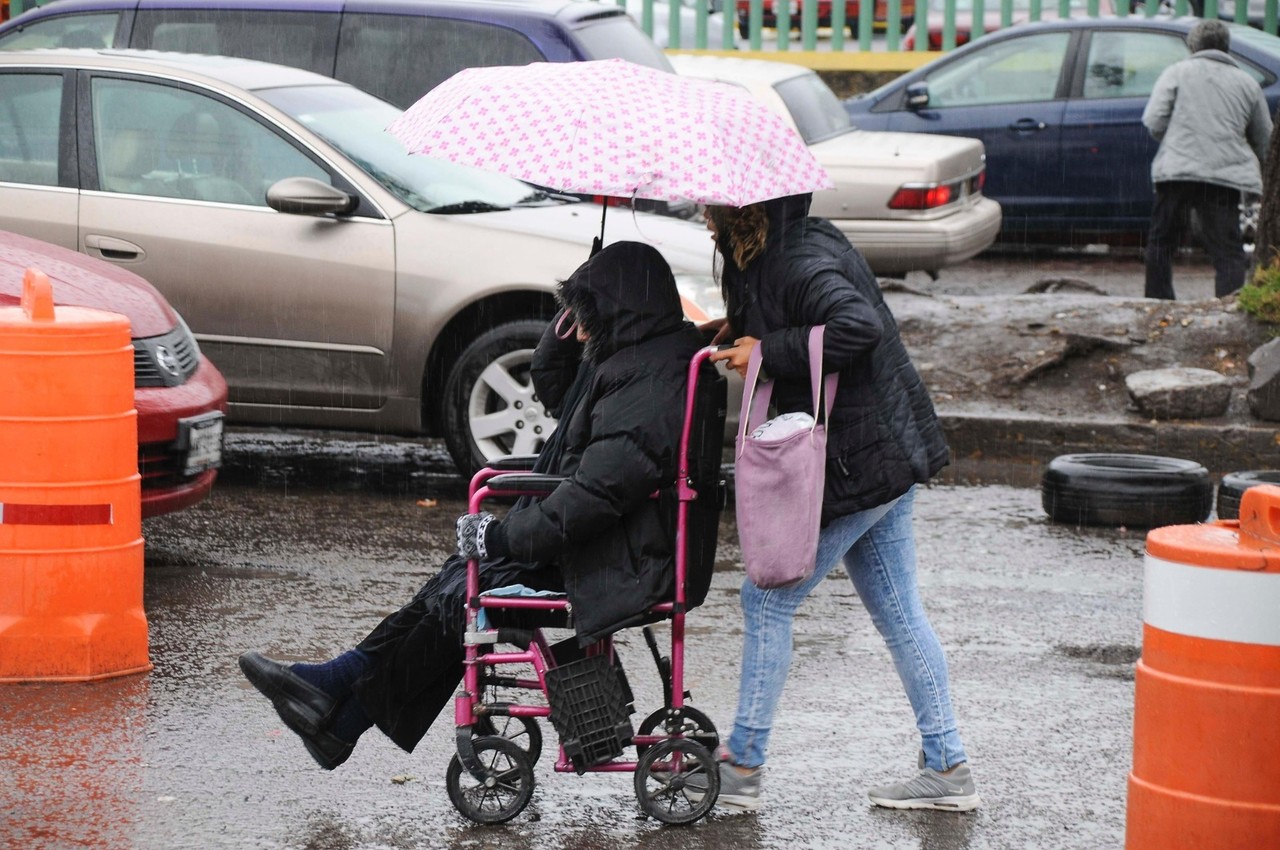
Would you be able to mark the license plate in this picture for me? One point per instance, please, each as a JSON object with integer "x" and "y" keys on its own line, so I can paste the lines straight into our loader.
{"x": 201, "y": 437}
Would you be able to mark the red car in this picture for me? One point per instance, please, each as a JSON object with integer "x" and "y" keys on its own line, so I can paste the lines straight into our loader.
{"x": 180, "y": 396}
{"x": 907, "y": 11}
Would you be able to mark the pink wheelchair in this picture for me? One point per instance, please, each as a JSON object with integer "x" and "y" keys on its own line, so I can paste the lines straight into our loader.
{"x": 583, "y": 692}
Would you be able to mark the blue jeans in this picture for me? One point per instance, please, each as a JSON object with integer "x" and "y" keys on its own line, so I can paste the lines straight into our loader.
{"x": 879, "y": 553}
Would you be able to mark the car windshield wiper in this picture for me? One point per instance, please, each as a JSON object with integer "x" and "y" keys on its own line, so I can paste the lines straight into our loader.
{"x": 466, "y": 207}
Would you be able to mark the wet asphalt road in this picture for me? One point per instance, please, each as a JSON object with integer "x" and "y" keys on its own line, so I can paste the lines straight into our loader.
{"x": 1041, "y": 625}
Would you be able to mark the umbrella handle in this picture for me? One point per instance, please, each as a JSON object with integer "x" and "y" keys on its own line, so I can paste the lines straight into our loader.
{"x": 598, "y": 242}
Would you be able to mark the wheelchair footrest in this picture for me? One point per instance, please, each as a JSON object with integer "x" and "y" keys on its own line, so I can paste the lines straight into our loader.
{"x": 589, "y": 710}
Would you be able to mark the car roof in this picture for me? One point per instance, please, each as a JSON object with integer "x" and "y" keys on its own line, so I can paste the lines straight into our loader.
{"x": 570, "y": 11}
{"x": 733, "y": 69}
{"x": 247, "y": 74}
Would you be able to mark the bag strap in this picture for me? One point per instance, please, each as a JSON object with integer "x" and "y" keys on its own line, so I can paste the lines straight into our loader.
{"x": 751, "y": 403}
{"x": 816, "y": 380}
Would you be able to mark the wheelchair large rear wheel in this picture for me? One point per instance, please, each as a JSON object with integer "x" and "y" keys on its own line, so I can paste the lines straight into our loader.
{"x": 662, "y": 776}
{"x": 504, "y": 791}
{"x": 684, "y": 722}
{"x": 521, "y": 731}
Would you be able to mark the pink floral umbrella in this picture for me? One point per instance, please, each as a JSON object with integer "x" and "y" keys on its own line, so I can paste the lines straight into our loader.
{"x": 614, "y": 128}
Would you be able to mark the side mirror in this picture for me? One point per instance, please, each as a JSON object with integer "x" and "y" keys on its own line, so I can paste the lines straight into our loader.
{"x": 918, "y": 95}
{"x": 308, "y": 196}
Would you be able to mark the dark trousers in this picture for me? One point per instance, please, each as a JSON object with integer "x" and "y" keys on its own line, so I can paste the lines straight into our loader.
{"x": 417, "y": 651}
{"x": 1218, "y": 209}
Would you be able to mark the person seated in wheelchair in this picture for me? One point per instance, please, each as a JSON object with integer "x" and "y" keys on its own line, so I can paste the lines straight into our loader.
{"x": 613, "y": 369}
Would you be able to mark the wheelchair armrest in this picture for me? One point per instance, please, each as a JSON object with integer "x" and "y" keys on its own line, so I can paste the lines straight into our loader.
{"x": 526, "y": 482}
{"x": 512, "y": 463}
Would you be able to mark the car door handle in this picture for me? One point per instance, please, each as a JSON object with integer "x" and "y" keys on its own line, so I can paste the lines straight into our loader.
{"x": 1027, "y": 125}
{"x": 110, "y": 248}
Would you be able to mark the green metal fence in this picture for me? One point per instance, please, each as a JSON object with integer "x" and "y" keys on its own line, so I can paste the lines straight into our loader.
{"x": 882, "y": 25}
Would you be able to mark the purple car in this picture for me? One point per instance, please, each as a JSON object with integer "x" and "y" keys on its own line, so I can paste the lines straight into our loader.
{"x": 395, "y": 49}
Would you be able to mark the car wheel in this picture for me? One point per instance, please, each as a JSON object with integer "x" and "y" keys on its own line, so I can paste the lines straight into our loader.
{"x": 1143, "y": 491}
{"x": 491, "y": 409}
{"x": 1233, "y": 485}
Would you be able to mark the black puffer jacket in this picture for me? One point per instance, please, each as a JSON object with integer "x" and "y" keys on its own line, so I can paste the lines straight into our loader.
{"x": 884, "y": 435}
{"x": 612, "y": 541}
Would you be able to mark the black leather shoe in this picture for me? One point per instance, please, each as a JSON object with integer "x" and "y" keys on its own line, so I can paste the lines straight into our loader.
{"x": 302, "y": 706}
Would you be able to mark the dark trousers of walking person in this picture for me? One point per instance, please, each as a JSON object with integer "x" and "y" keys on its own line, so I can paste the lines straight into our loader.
{"x": 1218, "y": 208}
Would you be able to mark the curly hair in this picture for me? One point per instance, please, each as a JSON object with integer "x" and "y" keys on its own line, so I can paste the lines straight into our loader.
{"x": 742, "y": 229}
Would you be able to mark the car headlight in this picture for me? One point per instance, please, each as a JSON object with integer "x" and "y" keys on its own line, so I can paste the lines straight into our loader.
{"x": 700, "y": 296}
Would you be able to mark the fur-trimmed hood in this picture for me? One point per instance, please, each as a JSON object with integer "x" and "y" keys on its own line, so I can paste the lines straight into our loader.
{"x": 623, "y": 295}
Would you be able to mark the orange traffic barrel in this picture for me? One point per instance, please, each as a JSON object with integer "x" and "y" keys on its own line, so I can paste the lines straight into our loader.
{"x": 1206, "y": 725}
{"x": 71, "y": 550}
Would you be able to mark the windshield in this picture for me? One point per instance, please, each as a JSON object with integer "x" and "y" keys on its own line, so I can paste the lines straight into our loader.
{"x": 814, "y": 107}
{"x": 355, "y": 123}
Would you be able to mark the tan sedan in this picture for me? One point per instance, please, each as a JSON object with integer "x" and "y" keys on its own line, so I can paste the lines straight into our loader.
{"x": 335, "y": 280}
{"x": 908, "y": 201}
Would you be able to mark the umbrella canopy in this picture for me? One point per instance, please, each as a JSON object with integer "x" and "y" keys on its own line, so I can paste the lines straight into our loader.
{"x": 610, "y": 127}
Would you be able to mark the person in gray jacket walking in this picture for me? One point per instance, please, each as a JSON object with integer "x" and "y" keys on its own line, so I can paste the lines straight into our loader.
{"x": 1212, "y": 123}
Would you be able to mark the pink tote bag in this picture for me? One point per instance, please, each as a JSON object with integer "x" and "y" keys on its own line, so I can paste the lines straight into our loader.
{"x": 779, "y": 482}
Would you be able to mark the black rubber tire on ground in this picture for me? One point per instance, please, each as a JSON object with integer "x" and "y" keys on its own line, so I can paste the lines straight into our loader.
{"x": 1141, "y": 491}
{"x": 660, "y": 777}
{"x": 510, "y": 346}
{"x": 1233, "y": 485}
{"x": 508, "y": 770}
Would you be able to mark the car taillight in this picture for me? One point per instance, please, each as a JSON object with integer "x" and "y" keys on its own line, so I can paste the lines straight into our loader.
{"x": 923, "y": 197}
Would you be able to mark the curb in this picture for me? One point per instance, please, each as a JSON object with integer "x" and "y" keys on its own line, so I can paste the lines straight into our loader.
{"x": 1010, "y": 449}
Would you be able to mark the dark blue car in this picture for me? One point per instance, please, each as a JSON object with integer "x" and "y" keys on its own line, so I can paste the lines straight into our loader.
{"x": 395, "y": 49}
{"x": 1059, "y": 107}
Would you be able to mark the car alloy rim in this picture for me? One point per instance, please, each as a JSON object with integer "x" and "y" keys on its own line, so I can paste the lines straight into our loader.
{"x": 503, "y": 413}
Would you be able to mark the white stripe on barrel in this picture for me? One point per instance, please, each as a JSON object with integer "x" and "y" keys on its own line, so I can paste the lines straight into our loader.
{"x": 1217, "y": 604}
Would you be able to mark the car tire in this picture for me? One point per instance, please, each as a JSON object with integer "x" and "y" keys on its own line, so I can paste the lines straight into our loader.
{"x": 1142, "y": 491}
{"x": 1231, "y": 489}
{"x": 491, "y": 379}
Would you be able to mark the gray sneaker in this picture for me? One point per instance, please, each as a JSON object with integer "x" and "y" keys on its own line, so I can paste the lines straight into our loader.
{"x": 737, "y": 790}
{"x": 931, "y": 790}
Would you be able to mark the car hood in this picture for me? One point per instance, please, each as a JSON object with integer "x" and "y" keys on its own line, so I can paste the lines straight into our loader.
{"x": 869, "y": 166}
{"x": 83, "y": 281}
{"x": 686, "y": 246}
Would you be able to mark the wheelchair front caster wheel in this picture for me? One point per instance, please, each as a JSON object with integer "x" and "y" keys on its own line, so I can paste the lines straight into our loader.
{"x": 662, "y": 781}
{"x": 504, "y": 791}
{"x": 521, "y": 731}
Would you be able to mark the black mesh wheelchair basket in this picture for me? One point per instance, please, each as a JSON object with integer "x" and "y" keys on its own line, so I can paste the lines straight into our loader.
{"x": 590, "y": 708}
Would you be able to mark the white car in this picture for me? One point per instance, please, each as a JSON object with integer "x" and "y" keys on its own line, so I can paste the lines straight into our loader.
{"x": 335, "y": 280}
{"x": 908, "y": 201}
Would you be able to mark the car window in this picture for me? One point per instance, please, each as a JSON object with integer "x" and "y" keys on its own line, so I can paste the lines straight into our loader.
{"x": 814, "y": 107}
{"x": 399, "y": 58}
{"x": 158, "y": 140}
{"x": 619, "y": 38}
{"x": 1126, "y": 63}
{"x": 1017, "y": 70}
{"x": 30, "y": 116}
{"x": 96, "y": 30}
{"x": 301, "y": 39}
